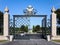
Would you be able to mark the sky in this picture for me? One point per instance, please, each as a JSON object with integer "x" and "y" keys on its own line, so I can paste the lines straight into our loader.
{"x": 16, "y": 7}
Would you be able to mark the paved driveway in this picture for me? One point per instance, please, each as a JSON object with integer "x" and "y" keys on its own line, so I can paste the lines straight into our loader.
{"x": 31, "y": 42}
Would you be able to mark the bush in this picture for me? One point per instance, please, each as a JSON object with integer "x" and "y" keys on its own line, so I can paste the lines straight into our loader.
{"x": 24, "y": 28}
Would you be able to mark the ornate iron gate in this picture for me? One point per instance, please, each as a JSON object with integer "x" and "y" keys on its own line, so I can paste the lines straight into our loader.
{"x": 19, "y": 20}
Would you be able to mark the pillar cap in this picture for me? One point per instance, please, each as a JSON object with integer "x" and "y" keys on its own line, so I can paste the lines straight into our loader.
{"x": 53, "y": 9}
{"x": 6, "y": 9}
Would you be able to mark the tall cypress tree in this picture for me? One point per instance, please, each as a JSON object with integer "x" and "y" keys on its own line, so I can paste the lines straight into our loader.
{"x": 1, "y": 22}
{"x": 58, "y": 21}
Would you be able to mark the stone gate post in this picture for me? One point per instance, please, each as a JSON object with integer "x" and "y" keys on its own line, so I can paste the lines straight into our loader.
{"x": 53, "y": 22}
{"x": 6, "y": 22}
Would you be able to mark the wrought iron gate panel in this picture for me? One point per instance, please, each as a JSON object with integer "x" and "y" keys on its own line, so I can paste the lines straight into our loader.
{"x": 19, "y": 20}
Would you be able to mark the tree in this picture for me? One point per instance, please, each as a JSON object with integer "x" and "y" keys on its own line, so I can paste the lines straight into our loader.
{"x": 58, "y": 13}
{"x": 33, "y": 28}
{"x": 36, "y": 28}
{"x": 24, "y": 28}
{"x": 58, "y": 21}
{"x": 1, "y": 22}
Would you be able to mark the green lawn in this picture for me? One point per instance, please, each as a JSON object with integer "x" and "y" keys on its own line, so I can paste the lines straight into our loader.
{"x": 3, "y": 40}
{"x": 56, "y": 40}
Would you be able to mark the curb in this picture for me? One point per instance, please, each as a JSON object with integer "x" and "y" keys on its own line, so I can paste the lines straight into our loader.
{"x": 56, "y": 42}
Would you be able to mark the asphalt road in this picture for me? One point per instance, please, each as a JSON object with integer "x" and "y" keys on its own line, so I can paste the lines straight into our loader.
{"x": 30, "y": 42}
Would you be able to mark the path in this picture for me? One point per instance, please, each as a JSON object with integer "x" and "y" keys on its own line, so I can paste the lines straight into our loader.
{"x": 31, "y": 42}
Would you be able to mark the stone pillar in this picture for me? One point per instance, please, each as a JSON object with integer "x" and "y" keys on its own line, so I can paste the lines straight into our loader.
{"x": 53, "y": 22}
{"x": 6, "y": 22}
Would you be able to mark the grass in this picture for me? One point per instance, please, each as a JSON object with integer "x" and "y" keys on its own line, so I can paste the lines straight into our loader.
{"x": 3, "y": 40}
{"x": 56, "y": 40}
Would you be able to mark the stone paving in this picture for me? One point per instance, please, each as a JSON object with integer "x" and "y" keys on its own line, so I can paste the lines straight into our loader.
{"x": 30, "y": 42}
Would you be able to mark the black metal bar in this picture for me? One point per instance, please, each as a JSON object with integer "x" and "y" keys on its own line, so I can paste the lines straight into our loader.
{"x": 29, "y": 15}
{"x": 13, "y": 25}
{"x": 42, "y": 27}
{"x": 45, "y": 24}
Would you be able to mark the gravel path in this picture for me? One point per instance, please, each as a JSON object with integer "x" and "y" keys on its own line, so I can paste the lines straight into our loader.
{"x": 30, "y": 42}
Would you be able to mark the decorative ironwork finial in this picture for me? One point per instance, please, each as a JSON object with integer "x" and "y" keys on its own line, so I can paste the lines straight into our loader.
{"x": 30, "y": 10}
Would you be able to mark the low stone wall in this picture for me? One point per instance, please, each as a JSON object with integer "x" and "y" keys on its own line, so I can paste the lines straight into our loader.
{"x": 3, "y": 37}
{"x": 55, "y": 38}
